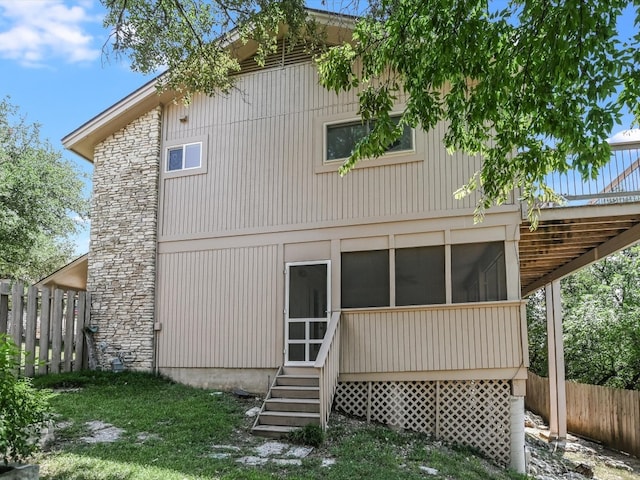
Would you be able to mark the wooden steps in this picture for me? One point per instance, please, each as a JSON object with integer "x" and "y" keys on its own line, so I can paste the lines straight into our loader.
{"x": 293, "y": 401}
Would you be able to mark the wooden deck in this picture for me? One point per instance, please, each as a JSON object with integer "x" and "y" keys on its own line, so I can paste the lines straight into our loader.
{"x": 570, "y": 238}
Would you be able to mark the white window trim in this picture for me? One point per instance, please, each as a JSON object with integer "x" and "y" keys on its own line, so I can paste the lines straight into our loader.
{"x": 185, "y": 142}
{"x": 416, "y": 154}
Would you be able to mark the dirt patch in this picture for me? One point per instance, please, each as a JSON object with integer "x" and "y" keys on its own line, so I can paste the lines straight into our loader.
{"x": 102, "y": 432}
{"x": 574, "y": 458}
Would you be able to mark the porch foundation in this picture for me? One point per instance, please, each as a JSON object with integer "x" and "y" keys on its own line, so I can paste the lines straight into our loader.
{"x": 253, "y": 380}
{"x": 476, "y": 413}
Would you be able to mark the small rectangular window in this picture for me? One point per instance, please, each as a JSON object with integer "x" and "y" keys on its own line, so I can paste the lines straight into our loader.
{"x": 365, "y": 279}
{"x": 184, "y": 157}
{"x": 341, "y": 138}
{"x": 420, "y": 278}
{"x": 478, "y": 272}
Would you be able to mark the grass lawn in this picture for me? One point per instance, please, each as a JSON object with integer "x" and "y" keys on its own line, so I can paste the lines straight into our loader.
{"x": 170, "y": 431}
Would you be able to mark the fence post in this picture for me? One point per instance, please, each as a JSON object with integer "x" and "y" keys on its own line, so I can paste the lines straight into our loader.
{"x": 17, "y": 305}
{"x": 5, "y": 291}
{"x": 79, "y": 357}
{"x": 69, "y": 330}
{"x": 56, "y": 331}
{"x": 30, "y": 333}
{"x": 45, "y": 315}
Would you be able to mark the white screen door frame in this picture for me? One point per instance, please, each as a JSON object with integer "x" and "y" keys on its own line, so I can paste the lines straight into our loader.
{"x": 307, "y": 310}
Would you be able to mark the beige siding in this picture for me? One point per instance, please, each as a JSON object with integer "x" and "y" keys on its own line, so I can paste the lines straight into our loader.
{"x": 264, "y": 165}
{"x": 218, "y": 308}
{"x": 463, "y": 337}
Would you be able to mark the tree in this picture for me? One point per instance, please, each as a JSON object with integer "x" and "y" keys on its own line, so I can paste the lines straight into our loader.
{"x": 534, "y": 86}
{"x": 601, "y": 323}
{"x": 40, "y": 200}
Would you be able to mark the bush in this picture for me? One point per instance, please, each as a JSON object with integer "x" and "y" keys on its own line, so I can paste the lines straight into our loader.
{"x": 23, "y": 409}
{"x": 312, "y": 435}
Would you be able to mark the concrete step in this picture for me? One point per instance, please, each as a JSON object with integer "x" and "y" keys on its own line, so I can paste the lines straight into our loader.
{"x": 272, "y": 431}
{"x": 289, "y": 419}
{"x": 310, "y": 405}
{"x": 291, "y": 391}
{"x": 299, "y": 380}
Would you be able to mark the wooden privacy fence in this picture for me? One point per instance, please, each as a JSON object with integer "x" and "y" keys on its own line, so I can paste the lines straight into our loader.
{"x": 48, "y": 326}
{"x": 609, "y": 415}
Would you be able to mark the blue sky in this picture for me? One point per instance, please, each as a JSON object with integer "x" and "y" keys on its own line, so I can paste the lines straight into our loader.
{"x": 52, "y": 67}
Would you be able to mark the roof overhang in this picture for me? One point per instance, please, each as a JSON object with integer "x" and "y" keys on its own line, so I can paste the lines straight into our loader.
{"x": 72, "y": 276}
{"x": 83, "y": 140}
{"x": 568, "y": 239}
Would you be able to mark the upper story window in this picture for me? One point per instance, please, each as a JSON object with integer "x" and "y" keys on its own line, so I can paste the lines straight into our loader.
{"x": 184, "y": 157}
{"x": 341, "y": 138}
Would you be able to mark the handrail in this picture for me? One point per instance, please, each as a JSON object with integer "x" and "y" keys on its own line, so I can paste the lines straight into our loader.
{"x": 328, "y": 365}
{"x": 618, "y": 181}
{"x": 328, "y": 338}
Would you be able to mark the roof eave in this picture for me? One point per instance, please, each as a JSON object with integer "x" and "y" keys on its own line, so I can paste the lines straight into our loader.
{"x": 83, "y": 140}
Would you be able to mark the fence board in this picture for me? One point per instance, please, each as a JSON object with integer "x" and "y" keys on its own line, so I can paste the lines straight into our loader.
{"x": 69, "y": 330}
{"x": 52, "y": 324}
{"x": 79, "y": 335}
{"x": 609, "y": 415}
{"x": 5, "y": 291}
{"x": 30, "y": 331}
{"x": 17, "y": 306}
{"x": 56, "y": 331}
{"x": 45, "y": 315}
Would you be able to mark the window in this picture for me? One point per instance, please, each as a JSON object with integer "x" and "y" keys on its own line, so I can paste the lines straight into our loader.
{"x": 184, "y": 157}
{"x": 341, "y": 138}
{"x": 365, "y": 279}
{"x": 420, "y": 278}
{"x": 478, "y": 272}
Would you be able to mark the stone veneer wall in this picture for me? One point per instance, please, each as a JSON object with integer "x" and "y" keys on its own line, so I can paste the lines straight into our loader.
{"x": 122, "y": 256}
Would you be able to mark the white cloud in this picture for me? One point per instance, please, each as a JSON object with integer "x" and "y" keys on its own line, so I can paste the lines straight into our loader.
{"x": 39, "y": 32}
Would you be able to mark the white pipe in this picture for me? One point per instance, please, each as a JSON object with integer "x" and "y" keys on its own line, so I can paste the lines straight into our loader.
{"x": 516, "y": 416}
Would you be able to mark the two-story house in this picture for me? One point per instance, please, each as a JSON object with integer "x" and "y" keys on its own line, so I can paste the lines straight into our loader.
{"x": 227, "y": 252}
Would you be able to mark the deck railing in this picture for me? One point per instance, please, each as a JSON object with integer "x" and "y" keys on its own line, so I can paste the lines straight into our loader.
{"x": 328, "y": 365}
{"x": 618, "y": 181}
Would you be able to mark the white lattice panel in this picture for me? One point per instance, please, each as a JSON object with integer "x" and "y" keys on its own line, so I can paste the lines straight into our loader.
{"x": 351, "y": 398}
{"x": 473, "y": 413}
{"x": 409, "y": 405}
{"x": 476, "y": 413}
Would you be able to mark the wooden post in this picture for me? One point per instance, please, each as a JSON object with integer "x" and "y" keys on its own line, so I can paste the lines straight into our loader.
{"x": 17, "y": 305}
{"x": 557, "y": 388}
{"x": 5, "y": 291}
{"x": 30, "y": 333}
{"x": 79, "y": 335}
{"x": 56, "y": 331}
{"x": 69, "y": 329}
{"x": 45, "y": 315}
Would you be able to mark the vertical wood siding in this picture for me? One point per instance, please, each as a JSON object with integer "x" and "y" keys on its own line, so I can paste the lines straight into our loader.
{"x": 263, "y": 151}
{"x": 217, "y": 308}
{"x": 434, "y": 338}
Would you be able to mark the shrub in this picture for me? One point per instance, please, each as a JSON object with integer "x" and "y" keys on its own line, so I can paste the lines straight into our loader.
{"x": 23, "y": 409}
{"x": 312, "y": 435}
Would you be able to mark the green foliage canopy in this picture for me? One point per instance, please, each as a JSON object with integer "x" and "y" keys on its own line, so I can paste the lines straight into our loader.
{"x": 601, "y": 323}
{"x": 40, "y": 194}
{"x": 533, "y": 86}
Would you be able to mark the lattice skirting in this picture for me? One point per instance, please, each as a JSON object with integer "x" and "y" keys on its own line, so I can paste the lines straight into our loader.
{"x": 470, "y": 412}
